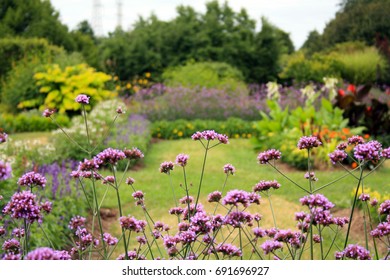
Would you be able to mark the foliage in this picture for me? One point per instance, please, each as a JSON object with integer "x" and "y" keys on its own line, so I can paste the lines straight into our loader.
{"x": 366, "y": 106}
{"x": 204, "y": 74}
{"x": 33, "y": 18}
{"x": 281, "y": 127}
{"x": 362, "y": 67}
{"x": 60, "y": 87}
{"x": 178, "y": 129}
{"x": 219, "y": 35}
{"x": 14, "y": 49}
{"x": 301, "y": 68}
{"x": 30, "y": 121}
{"x": 20, "y": 85}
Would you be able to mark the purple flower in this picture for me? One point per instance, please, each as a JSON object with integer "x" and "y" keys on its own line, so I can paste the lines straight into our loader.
{"x": 45, "y": 253}
{"x": 47, "y": 206}
{"x": 176, "y": 211}
{"x": 141, "y": 240}
{"x": 132, "y": 255}
{"x": 311, "y": 175}
{"x": 32, "y": 179}
{"x": 214, "y": 196}
{"x": 76, "y": 222}
{"x": 270, "y": 246}
{"x": 12, "y": 257}
{"x": 166, "y": 167}
{"x": 386, "y": 153}
{"x": 138, "y": 195}
{"x": 259, "y": 233}
{"x": 374, "y": 202}
{"x": 110, "y": 156}
{"x": 5, "y": 171}
{"x": 134, "y": 153}
{"x": 364, "y": 197}
{"x": 384, "y": 208}
{"x": 266, "y": 185}
{"x": 130, "y": 181}
{"x": 24, "y": 206}
{"x": 11, "y": 246}
{"x": 229, "y": 250}
{"x": 355, "y": 140}
{"x": 109, "y": 180}
{"x": 229, "y": 169}
{"x": 119, "y": 110}
{"x": 342, "y": 146}
{"x": 3, "y": 137}
{"x": 2, "y": 231}
{"x": 109, "y": 239}
{"x": 187, "y": 237}
{"x": 132, "y": 224}
{"x": 308, "y": 142}
{"x": 210, "y": 135}
{"x": 317, "y": 200}
{"x": 238, "y": 219}
{"x": 47, "y": 113}
{"x": 186, "y": 200}
{"x": 338, "y": 156}
{"x": 317, "y": 238}
{"x": 170, "y": 241}
{"x": 383, "y": 229}
{"x": 236, "y": 197}
{"x": 82, "y": 99}
{"x": 355, "y": 252}
{"x": 201, "y": 223}
{"x": 182, "y": 159}
{"x": 265, "y": 157}
{"x": 368, "y": 151}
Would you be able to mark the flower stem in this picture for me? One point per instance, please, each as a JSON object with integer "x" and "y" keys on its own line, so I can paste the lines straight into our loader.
{"x": 202, "y": 174}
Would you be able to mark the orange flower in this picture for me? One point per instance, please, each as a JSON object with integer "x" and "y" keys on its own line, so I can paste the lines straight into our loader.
{"x": 354, "y": 165}
{"x": 366, "y": 136}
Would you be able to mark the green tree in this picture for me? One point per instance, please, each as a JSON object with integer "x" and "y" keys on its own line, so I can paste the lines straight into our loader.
{"x": 33, "y": 18}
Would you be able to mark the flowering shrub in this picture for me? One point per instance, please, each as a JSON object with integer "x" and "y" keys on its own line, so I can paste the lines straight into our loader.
{"x": 230, "y": 230}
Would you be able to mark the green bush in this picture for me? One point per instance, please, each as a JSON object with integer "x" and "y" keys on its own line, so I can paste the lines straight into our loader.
{"x": 29, "y": 122}
{"x": 362, "y": 66}
{"x": 13, "y": 49}
{"x": 205, "y": 74}
{"x": 232, "y": 127}
{"x": 60, "y": 86}
{"x": 300, "y": 68}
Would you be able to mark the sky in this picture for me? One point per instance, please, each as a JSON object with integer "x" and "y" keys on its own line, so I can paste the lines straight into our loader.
{"x": 297, "y": 17}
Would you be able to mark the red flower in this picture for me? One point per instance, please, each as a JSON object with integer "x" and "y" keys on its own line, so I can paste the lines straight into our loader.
{"x": 341, "y": 92}
{"x": 351, "y": 88}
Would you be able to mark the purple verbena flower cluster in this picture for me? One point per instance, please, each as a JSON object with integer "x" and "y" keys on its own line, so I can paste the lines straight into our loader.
{"x": 3, "y": 137}
{"x": 166, "y": 167}
{"x": 308, "y": 142}
{"x": 45, "y": 253}
{"x": 236, "y": 197}
{"x": 266, "y": 185}
{"x": 82, "y": 99}
{"x": 23, "y": 205}
{"x": 229, "y": 169}
{"x": 368, "y": 151}
{"x": 354, "y": 252}
{"x": 182, "y": 160}
{"x": 337, "y": 156}
{"x": 267, "y": 156}
{"x": 210, "y": 135}
{"x": 132, "y": 224}
{"x": 32, "y": 179}
{"x": 5, "y": 171}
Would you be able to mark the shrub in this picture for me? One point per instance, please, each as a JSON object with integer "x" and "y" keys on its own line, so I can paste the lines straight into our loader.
{"x": 20, "y": 85}
{"x": 178, "y": 129}
{"x": 205, "y": 74}
{"x": 362, "y": 66}
{"x": 59, "y": 87}
{"x": 29, "y": 122}
{"x": 301, "y": 68}
{"x": 13, "y": 49}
